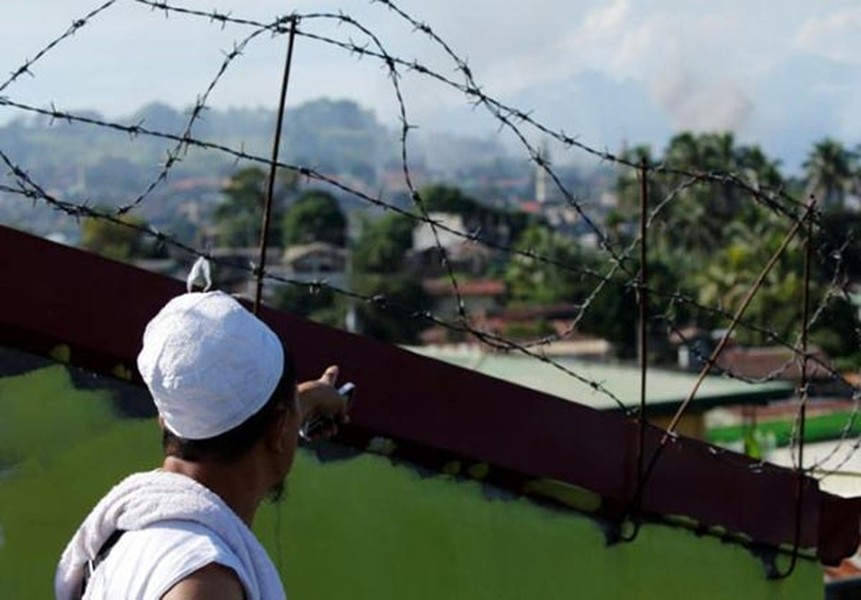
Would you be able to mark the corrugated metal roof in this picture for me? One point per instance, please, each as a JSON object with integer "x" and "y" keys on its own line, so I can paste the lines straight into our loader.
{"x": 665, "y": 388}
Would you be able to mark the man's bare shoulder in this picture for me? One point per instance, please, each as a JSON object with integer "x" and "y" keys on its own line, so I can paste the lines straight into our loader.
{"x": 212, "y": 582}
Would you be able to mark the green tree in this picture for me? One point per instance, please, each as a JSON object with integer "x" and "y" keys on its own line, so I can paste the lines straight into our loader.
{"x": 239, "y": 216}
{"x": 495, "y": 225}
{"x": 697, "y": 217}
{"x": 829, "y": 170}
{"x": 710, "y": 236}
{"x": 318, "y": 304}
{"x": 691, "y": 217}
{"x": 837, "y": 332}
{"x": 757, "y": 169}
{"x": 448, "y": 199}
{"x": 383, "y": 244}
{"x": 611, "y": 314}
{"x": 538, "y": 280}
{"x": 728, "y": 277}
{"x": 395, "y": 313}
{"x": 839, "y": 244}
{"x": 315, "y": 217}
{"x": 119, "y": 241}
{"x": 379, "y": 272}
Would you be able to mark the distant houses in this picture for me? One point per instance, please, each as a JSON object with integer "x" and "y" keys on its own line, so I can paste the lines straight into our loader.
{"x": 452, "y": 237}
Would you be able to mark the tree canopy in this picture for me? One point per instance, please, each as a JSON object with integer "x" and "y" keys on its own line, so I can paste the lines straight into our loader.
{"x": 315, "y": 217}
{"x": 538, "y": 280}
{"x": 830, "y": 171}
{"x": 380, "y": 271}
{"x": 700, "y": 211}
{"x": 118, "y": 241}
{"x": 718, "y": 212}
{"x": 383, "y": 244}
{"x": 238, "y": 218}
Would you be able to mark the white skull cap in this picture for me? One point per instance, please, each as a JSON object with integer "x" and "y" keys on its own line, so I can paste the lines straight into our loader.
{"x": 209, "y": 364}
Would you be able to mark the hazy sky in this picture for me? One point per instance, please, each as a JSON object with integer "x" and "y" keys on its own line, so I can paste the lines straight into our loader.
{"x": 770, "y": 70}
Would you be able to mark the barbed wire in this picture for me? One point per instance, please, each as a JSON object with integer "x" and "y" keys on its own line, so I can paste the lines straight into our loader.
{"x": 505, "y": 114}
{"x": 310, "y": 173}
{"x": 174, "y": 154}
{"x": 223, "y": 18}
{"x": 30, "y": 189}
{"x": 77, "y": 24}
{"x": 391, "y": 64}
{"x": 619, "y": 274}
{"x": 602, "y": 279}
{"x": 306, "y": 172}
{"x": 501, "y": 111}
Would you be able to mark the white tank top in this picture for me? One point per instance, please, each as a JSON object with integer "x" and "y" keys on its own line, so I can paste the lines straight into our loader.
{"x": 144, "y": 564}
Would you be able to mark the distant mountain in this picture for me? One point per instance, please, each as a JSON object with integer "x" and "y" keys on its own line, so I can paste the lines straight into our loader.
{"x": 785, "y": 111}
{"x": 594, "y": 109}
{"x": 333, "y": 136}
{"x": 104, "y": 166}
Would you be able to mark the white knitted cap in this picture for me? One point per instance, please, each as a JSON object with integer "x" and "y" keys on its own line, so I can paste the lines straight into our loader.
{"x": 209, "y": 364}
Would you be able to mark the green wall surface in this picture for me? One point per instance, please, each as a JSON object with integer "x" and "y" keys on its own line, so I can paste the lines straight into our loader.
{"x": 360, "y": 528}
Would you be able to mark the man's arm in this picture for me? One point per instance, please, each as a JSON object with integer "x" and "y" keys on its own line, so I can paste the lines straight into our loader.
{"x": 212, "y": 582}
{"x": 319, "y": 398}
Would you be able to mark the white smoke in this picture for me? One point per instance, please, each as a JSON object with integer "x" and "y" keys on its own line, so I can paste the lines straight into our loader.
{"x": 695, "y": 104}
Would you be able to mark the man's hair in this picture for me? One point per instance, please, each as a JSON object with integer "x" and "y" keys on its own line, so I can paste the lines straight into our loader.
{"x": 234, "y": 443}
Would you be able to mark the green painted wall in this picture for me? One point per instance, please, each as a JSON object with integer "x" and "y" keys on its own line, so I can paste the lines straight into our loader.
{"x": 357, "y": 528}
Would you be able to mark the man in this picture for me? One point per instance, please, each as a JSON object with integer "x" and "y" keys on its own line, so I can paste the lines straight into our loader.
{"x": 230, "y": 412}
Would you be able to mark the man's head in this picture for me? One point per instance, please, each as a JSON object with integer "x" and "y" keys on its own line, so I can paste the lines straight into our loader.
{"x": 220, "y": 378}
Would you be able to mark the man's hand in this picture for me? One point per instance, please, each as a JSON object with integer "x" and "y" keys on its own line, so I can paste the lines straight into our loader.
{"x": 321, "y": 402}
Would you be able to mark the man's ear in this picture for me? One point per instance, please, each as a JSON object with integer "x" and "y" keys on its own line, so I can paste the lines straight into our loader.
{"x": 276, "y": 432}
{"x": 161, "y": 422}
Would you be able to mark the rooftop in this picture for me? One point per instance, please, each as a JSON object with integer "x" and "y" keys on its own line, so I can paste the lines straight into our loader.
{"x": 665, "y": 389}
{"x": 477, "y": 287}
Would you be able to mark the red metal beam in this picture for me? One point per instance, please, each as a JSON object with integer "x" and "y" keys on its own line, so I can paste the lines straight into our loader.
{"x": 53, "y": 294}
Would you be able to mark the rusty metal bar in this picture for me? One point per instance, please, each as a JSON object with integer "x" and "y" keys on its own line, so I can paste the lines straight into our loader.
{"x": 642, "y": 344}
{"x": 736, "y": 318}
{"x": 273, "y": 167}
{"x": 803, "y": 393}
{"x": 642, "y": 294}
{"x": 670, "y": 430}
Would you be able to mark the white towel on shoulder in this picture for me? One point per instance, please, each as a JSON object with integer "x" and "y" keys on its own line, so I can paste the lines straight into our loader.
{"x": 143, "y": 499}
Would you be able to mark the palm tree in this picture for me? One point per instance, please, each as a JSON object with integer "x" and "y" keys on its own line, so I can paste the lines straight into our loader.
{"x": 726, "y": 279}
{"x": 700, "y": 216}
{"x": 829, "y": 171}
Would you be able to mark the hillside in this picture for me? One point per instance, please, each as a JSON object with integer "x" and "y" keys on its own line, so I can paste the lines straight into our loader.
{"x": 81, "y": 162}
